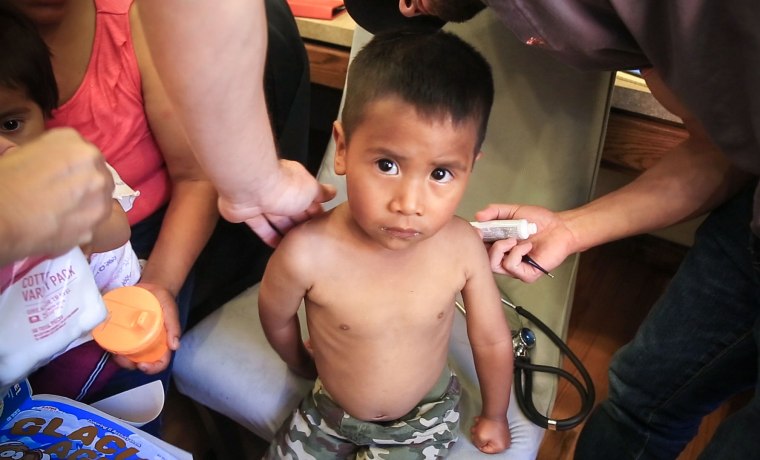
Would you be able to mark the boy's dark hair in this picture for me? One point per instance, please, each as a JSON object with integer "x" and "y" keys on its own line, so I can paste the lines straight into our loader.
{"x": 436, "y": 72}
{"x": 25, "y": 60}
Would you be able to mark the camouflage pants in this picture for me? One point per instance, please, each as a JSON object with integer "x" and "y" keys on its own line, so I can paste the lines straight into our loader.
{"x": 320, "y": 429}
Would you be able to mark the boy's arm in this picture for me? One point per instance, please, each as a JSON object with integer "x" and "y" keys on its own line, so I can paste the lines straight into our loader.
{"x": 110, "y": 234}
{"x": 491, "y": 342}
{"x": 280, "y": 295}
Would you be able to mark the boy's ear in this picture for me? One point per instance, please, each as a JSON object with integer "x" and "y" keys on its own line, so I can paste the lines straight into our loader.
{"x": 477, "y": 157}
{"x": 339, "y": 164}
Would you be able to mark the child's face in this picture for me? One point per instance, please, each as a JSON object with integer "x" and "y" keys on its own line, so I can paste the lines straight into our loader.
{"x": 405, "y": 174}
{"x": 21, "y": 119}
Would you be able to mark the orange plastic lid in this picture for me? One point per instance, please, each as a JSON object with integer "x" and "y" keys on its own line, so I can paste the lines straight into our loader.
{"x": 134, "y": 322}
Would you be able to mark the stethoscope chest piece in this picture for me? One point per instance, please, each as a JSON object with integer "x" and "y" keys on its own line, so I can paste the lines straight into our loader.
{"x": 523, "y": 340}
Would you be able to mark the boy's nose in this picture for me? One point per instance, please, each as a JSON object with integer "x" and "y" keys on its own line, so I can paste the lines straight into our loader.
{"x": 408, "y": 200}
{"x": 5, "y": 145}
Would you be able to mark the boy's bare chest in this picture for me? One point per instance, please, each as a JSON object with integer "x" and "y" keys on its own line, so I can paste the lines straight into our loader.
{"x": 402, "y": 293}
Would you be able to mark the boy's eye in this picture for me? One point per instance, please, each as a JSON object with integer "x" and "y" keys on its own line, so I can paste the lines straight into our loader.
{"x": 13, "y": 124}
{"x": 387, "y": 166}
{"x": 441, "y": 175}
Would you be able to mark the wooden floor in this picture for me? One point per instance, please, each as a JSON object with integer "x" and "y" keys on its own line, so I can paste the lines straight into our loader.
{"x": 617, "y": 284}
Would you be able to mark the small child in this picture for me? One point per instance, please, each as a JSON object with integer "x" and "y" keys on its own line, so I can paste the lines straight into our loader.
{"x": 28, "y": 94}
{"x": 380, "y": 273}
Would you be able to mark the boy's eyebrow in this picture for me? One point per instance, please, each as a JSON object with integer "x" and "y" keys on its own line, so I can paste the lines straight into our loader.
{"x": 14, "y": 111}
{"x": 459, "y": 161}
{"x": 385, "y": 151}
{"x": 455, "y": 163}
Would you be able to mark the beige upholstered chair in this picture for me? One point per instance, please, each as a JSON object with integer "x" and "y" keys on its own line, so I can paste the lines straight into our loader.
{"x": 543, "y": 147}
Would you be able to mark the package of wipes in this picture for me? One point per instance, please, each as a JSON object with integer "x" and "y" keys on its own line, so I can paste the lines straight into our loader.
{"x": 50, "y": 427}
{"x": 45, "y": 304}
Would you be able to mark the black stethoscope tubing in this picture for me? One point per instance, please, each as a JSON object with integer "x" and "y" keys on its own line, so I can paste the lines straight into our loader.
{"x": 523, "y": 376}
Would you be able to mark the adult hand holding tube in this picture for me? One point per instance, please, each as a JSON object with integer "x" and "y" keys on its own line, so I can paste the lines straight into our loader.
{"x": 548, "y": 247}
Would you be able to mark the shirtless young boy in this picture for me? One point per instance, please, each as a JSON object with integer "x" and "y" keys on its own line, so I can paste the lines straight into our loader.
{"x": 379, "y": 274}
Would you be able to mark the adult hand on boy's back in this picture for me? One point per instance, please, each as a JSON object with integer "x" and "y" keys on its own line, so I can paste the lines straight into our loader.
{"x": 490, "y": 436}
{"x": 293, "y": 196}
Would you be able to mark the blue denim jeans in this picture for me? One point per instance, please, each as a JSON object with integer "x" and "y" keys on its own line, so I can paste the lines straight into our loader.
{"x": 696, "y": 348}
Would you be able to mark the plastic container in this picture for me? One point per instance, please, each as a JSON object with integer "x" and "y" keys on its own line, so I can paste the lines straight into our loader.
{"x": 134, "y": 327}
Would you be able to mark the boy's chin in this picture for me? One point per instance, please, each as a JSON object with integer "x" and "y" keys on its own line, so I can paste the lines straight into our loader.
{"x": 396, "y": 242}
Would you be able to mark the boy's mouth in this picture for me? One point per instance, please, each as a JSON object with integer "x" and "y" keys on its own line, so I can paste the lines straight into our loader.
{"x": 403, "y": 233}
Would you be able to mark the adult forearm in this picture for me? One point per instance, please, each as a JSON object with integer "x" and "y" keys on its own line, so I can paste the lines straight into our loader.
{"x": 211, "y": 56}
{"x": 189, "y": 222}
{"x": 689, "y": 180}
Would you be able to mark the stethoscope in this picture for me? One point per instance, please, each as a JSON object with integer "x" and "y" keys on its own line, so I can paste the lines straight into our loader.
{"x": 523, "y": 340}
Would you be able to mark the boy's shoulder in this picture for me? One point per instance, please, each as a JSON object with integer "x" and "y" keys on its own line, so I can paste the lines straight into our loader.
{"x": 462, "y": 242}
{"x": 314, "y": 227}
{"x": 461, "y": 229}
{"x": 311, "y": 234}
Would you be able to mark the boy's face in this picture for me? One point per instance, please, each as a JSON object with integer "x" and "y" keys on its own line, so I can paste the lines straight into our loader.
{"x": 21, "y": 119}
{"x": 405, "y": 174}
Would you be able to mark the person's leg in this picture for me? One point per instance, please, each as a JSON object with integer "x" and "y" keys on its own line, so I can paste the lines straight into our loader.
{"x": 694, "y": 350}
{"x": 737, "y": 437}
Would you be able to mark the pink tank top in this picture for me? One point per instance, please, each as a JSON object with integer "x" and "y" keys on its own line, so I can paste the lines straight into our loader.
{"x": 107, "y": 109}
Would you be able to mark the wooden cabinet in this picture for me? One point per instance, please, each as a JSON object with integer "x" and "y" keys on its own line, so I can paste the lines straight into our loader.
{"x": 634, "y": 142}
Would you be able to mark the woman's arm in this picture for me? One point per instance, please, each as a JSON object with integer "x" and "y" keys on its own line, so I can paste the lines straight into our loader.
{"x": 191, "y": 214}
